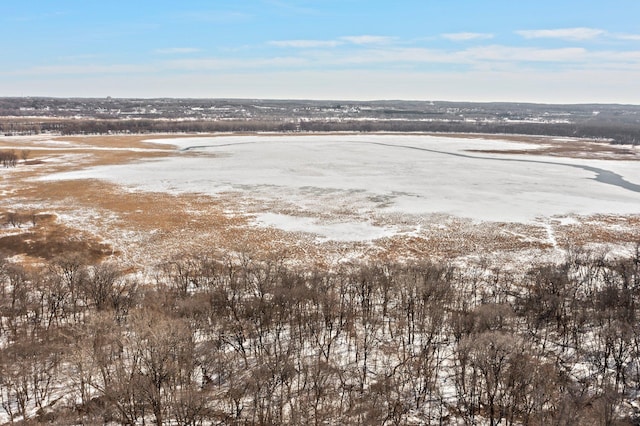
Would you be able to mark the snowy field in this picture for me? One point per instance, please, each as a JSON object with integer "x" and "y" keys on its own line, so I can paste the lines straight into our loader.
{"x": 348, "y": 187}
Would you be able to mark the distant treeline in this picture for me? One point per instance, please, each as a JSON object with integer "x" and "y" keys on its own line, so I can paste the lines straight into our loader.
{"x": 103, "y": 127}
{"x": 618, "y": 133}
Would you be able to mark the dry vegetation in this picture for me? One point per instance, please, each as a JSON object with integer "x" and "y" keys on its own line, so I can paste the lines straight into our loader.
{"x": 176, "y": 221}
{"x": 124, "y": 307}
{"x": 573, "y": 148}
{"x": 238, "y": 339}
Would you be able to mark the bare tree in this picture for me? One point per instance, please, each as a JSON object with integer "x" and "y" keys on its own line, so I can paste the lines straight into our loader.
{"x": 484, "y": 363}
{"x": 100, "y": 285}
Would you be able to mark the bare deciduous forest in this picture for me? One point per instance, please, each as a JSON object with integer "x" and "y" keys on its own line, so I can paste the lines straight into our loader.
{"x": 69, "y": 116}
{"x": 243, "y": 339}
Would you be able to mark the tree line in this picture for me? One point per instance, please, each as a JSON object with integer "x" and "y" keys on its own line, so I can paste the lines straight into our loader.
{"x": 244, "y": 339}
{"x": 620, "y": 133}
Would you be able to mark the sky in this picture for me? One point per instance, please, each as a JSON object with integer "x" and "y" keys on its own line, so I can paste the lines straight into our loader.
{"x": 560, "y": 51}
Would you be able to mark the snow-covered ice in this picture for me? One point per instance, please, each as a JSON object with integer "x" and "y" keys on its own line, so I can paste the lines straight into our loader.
{"x": 333, "y": 231}
{"x": 369, "y": 175}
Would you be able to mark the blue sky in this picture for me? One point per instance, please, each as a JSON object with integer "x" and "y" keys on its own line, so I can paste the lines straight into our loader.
{"x": 561, "y": 51}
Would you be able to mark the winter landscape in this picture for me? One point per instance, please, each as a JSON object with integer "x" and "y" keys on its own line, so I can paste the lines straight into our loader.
{"x": 287, "y": 278}
{"x": 302, "y": 212}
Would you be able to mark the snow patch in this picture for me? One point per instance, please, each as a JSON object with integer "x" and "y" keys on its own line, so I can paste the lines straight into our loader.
{"x": 326, "y": 231}
{"x": 566, "y": 221}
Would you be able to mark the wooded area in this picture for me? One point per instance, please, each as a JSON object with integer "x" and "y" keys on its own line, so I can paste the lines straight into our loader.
{"x": 248, "y": 339}
{"x": 70, "y": 116}
{"x": 616, "y": 133}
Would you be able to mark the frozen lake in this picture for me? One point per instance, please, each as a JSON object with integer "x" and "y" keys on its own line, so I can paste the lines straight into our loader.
{"x": 352, "y": 178}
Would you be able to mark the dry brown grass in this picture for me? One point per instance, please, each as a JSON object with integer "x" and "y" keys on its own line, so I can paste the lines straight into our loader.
{"x": 39, "y": 236}
{"x": 569, "y": 148}
{"x": 103, "y": 220}
{"x": 601, "y": 229}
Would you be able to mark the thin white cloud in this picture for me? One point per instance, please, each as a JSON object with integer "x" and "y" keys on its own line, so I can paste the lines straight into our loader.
{"x": 216, "y": 16}
{"x": 368, "y": 39}
{"x": 572, "y": 34}
{"x": 389, "y": 56}
{"x": 631, "y": 37}
{"x": 215, "y": 64}
{"x": 84, "y": 69}
{"x": 76, "y": 58}
{"x": 358, "y": 40}
{"x": 526, "y": 54}
{"x": 466, "y": 36}
{"x": 303, "y": 44}
{"x": 38, "y": 17}
{"x": 490, "y": 53}
{"x": 375, "y": 56}
{"x": 177, "y": 50}
{"x": 292, "y": 7}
